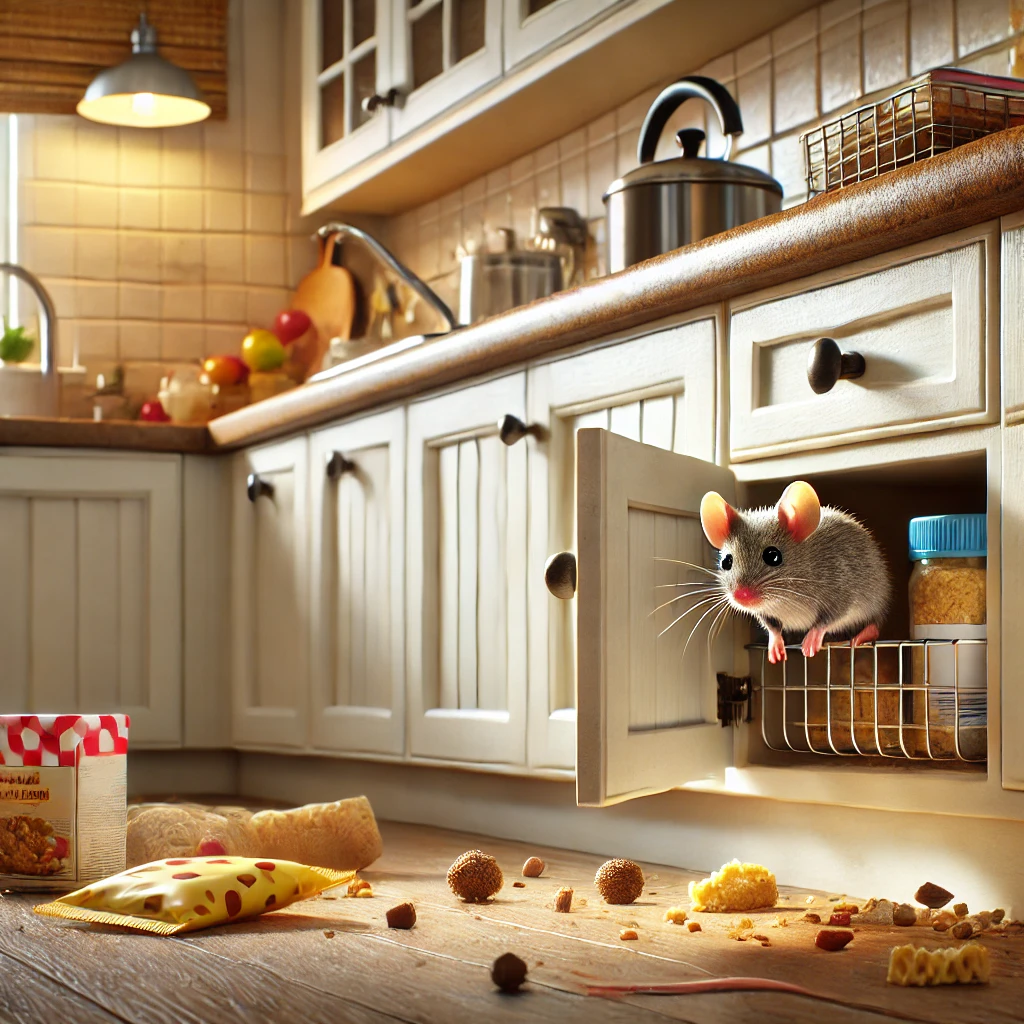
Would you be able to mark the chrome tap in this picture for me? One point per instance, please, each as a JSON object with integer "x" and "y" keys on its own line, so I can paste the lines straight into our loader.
{"x": 47, "y": 318}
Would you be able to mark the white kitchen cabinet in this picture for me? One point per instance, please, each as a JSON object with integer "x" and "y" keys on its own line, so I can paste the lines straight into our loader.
{"x": 346, "y": 58}
{"x": 442, "y": 52}
{"x": 534, "y": 25}
{"x": 90, "y": 607}
{"x": 357, "y": 526}
{"x": 923, "y": 319}
{"x": 660, "y": 389}
{"x": 466, "y": 576}
{"x": 270, "y": 596}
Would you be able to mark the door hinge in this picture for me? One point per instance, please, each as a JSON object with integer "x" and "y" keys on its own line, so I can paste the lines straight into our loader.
{"x": 733, "y": 693}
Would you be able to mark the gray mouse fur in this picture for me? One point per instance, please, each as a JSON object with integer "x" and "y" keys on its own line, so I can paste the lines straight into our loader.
{"x": 834, "y": 582}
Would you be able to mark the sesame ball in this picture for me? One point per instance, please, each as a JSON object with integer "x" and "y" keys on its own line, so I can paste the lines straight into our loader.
{"x": 619, "y": 881}
{"x": 475, "y": 877}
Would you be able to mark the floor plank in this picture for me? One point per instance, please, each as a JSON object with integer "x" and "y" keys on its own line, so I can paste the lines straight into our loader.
{"x": 27, "y": 997}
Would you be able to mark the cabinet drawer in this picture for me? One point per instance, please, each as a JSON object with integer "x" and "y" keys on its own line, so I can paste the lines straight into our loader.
{"x": 927, "y": 329}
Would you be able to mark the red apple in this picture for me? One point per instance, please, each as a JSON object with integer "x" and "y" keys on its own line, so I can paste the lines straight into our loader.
{"x": 291, "y": 324}
{"x": 153, "y": 412}
{"x": 226, "y": 371}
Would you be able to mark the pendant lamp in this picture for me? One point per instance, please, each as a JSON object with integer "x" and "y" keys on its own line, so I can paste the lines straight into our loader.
{"x": 145, "y": 91}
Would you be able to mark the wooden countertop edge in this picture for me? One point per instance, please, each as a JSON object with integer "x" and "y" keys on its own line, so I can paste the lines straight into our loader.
{"x": 117, "y": 435}
{"x": 974, "y": 183}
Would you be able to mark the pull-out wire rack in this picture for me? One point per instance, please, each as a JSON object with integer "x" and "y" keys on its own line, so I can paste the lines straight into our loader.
{"x": 909, "y": 699}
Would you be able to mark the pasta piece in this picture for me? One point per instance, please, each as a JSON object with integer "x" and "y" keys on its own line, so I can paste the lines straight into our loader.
{"x": 965, "y": 965}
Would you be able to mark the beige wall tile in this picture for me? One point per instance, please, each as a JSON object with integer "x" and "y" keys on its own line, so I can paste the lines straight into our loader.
{"x": 183, "y": 302}
{"x": 226, "y": 303}
{"x": 184, "y": 342}
{"x": 998, "y": 63}
{"x": 429, "y": 256}
{"x": 980, "y": 23}
{"x": 264, "y": 173}
{"x": 834, "y": 11}
{"x": 545, "y": 157}
{"x": 571, "y": 144}
{"x": 625, "y": 151}
{"x": 50, "y": 202}
{"x": 225, "y": 169}
{"x": 225, "y": 259}
{"x": 759, "y": 157}
{"x": 754, "y": 95}
{"x": 96, "y": 300}
{"x": 601, "y": 172}
{"x": 96, "y": 207}
{"x": 138, "y": 208}
{"x": 301, "y": 259}
{"x": 601, "y": 130}
{"x": 263, "y": 304}
{"x": 548, "y": 185}
{"x": 264, "y": 213}
{"x": 885, "y": 44}
{"x": 96, "y": 153}
{"x": 54, "y": 143}
{"x": 521, "y": 169}
{"x": 181, "y": 258}
{"x": 139, "y": 302}
{"x": 574, "y": 183}
{"x": 840, "y": 63}
{"x": 753, "y": 55}
{"x": 524, "y": 211}
{"x": 181, "y": 209}
{"x": 96, "y": 254}
{"x": 224, "y": 211}
{"x": 137, "y": 340}
{"x": 801, "y": 29}
{"x": 181, "y": 168}
{"x": 63, "y": 295}
{"x": 788, "y": 167}
{"x": 96, "y": 339}
{"x": 931, "y": 34}
{"x": 264, "y": 260}
{"x": 223, "y": 339}
{"x": 139, "y": 157}
{"x": 138, "y": 256}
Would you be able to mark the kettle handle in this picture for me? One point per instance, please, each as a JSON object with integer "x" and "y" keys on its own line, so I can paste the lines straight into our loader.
{"x": 673, "y": 96}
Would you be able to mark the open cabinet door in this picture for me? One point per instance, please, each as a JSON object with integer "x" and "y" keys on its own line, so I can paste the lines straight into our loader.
{"x": 646, "y": 703}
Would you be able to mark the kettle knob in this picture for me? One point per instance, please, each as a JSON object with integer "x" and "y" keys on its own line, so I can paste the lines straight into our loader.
{"x": 689, "y": 140}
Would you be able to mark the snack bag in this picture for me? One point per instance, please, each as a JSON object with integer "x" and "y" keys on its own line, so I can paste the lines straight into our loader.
{"x": 185, "y": 894}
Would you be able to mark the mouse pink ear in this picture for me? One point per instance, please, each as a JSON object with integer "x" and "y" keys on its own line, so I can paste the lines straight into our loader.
{"x": 799, "y": 510}
{"x": 717, "y": 517}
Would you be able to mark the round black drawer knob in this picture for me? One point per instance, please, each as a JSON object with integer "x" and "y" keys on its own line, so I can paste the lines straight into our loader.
{"x": 827, "y": 364}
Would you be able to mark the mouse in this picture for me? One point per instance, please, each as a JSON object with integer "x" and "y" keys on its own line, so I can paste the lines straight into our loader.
{"x": 799, "y": 567}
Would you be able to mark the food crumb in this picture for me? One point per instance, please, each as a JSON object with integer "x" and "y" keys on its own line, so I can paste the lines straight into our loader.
{"x": 328, "y": 897}
{"x": 401, "y": 916}
{"x": 328, "y": 935}
{"x": 811, "y": 918}
{"x": 693, "y": 926}
{"x": 763, "y": 939}
{"x": 563, "y": 900}
{"x": 846, "y": 908}
{"x": 675, "y": 915}
{"x": 518, "y": 885}
{"x": 810, "y": 899}
{"x": 357, "y": 885}
{"x": 533, "y": 868}
{"x": 781, "y": 922}
{"x": 508, "y": 972}
{"x": 960, "y": 909}
{"x": 627, "y": 933}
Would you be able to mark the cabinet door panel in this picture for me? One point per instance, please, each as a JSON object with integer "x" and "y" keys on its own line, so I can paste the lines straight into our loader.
{"x": 659, "y": 389}
{"x": 443, "y": 51}
{"x": 356, "y": 577}
{"x": 647, "y": 717}
{"x": 534, "y": 25}
{"x": 466, "y": 572}
{"x": 90, "y": 551}
{"x": 269, "y": 600}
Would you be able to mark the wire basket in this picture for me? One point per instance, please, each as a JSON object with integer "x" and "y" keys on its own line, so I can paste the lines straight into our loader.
{"x": 905, "y": 699}
{"x": 933, "y": 113}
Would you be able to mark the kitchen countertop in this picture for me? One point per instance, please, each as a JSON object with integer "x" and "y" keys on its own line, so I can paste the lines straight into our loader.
{"x": 282, "y": 967}
{"x": 969, "y": 185}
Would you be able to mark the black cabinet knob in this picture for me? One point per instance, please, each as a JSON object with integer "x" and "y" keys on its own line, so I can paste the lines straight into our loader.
{"x": 337, "y": 464}
{"x": 512, "y": 429}
{"x": 256, "y": 487}
{"x": 827, "y": 364}
{"x": 371, "y": 104}
{"x": 560, "y": 575}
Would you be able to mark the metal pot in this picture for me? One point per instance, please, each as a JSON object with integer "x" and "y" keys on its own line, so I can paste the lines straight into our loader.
{"x": 495, "y": 282}
{"x": 658, "y": 207}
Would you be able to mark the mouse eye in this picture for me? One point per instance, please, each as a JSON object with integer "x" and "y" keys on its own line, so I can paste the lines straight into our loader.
{"x": 772, "y": 556}
{"x": 726, "y": 562}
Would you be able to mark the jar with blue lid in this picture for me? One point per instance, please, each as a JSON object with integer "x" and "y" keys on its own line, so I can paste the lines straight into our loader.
{"x": 948, "y": 601}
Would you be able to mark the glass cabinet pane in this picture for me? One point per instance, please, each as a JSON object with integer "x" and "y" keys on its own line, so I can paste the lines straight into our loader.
{"x": 332, "y": 32}
{"x": 468, "y": 26}
{"x": 363, "y": 19}
{"x": 427, "y": 46}
{"x": 332, "y": 111}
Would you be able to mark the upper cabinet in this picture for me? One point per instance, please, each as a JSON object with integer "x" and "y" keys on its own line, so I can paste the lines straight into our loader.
{"x": 531, "y": 25}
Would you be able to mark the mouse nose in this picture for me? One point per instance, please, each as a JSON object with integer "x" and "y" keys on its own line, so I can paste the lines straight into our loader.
{"x": 746, "y": 595}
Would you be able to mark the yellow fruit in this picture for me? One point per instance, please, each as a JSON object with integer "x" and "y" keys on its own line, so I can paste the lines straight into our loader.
{"x": 262, "y": 351}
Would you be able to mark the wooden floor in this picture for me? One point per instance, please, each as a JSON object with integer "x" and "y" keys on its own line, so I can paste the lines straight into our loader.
{"x": 282, "y": 967}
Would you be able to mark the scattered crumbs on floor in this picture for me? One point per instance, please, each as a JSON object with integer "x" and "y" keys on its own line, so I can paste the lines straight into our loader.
{"x": 328, "y": 935}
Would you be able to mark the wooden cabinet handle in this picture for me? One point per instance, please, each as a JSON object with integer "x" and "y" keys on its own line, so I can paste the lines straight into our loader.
{"x": 512, "y": 429}
{"x": 827, "y": 364}
{"x": 256, "y": 487}
{"x": 337, "y": 464}
{"x": 560, "y": 575}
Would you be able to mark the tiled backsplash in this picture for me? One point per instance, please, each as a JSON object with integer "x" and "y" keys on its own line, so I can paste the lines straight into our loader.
{"x": 160, "y": 247}
{"x": 820, "y": 63}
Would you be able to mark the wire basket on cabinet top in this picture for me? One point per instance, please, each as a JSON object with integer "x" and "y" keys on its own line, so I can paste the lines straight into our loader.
{"x": 931, "y": 114}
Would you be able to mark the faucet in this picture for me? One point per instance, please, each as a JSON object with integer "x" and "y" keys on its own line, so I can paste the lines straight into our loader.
{"x": 47, "y": 318}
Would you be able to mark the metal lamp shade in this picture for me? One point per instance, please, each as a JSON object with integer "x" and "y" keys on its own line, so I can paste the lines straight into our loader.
{"x": 145, "y": 91}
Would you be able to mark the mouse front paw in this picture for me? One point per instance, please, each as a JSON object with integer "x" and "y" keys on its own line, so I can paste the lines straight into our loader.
{"x": 776, "y": 648}
{"x": 812, "y": 642}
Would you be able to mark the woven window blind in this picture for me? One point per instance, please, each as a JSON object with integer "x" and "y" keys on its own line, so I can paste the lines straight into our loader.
{"x": 51, "y": 49}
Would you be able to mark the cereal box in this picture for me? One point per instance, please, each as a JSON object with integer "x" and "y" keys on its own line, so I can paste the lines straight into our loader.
{"x": 62, "y": 799}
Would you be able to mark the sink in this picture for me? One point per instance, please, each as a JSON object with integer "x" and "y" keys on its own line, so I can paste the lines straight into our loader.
{"x": 26, "y": 391}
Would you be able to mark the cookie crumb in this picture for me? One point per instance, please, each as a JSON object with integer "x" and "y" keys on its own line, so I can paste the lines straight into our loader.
{"x": 627, "y": 934}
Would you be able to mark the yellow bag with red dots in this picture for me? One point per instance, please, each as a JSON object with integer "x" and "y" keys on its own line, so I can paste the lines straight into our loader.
{"x": 183, "y": 895}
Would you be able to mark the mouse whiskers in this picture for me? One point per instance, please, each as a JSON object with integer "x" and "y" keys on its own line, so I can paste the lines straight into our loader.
{"x": 714, "y": 609}
{"x": 707, "y": 590}
{"x": 692, "y": 565}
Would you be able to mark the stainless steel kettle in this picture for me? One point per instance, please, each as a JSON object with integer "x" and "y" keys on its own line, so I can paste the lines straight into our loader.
{"x": 660, "y": 206}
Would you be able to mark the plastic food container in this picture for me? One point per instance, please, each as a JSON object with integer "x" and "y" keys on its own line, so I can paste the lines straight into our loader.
{"x": 62, "y": 799}
{"x": 948, "y": 602}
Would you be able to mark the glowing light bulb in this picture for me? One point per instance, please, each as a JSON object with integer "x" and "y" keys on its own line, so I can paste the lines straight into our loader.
{"x": 143, "y": 104}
